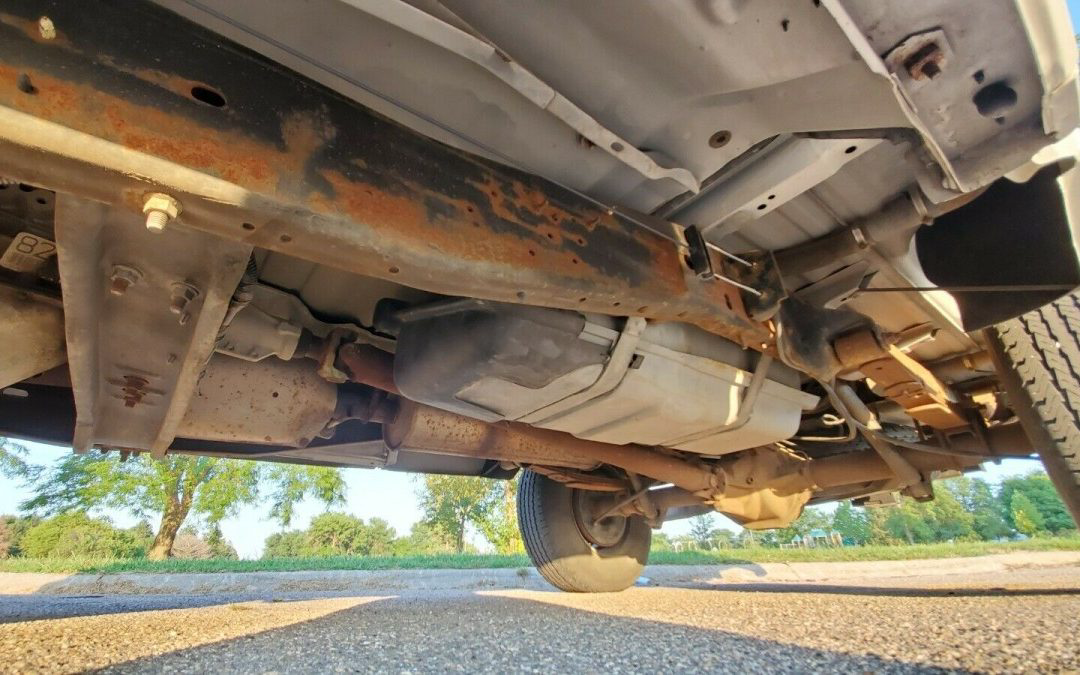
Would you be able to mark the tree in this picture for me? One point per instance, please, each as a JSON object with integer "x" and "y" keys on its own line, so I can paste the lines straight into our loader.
{"x": 1025, "y": 516}
{"x": 335, "y": 534}
{"x": 75, "y": 534}
{"x": 499, "y": 525}
{"x": 189, "y": 545}
{"x": 702, "y": 529}
{"x": 219, "y": 545}
{"x": 747, "y": 539}
{"x": 6, "y": 538}
{"x": 451, "y": 503}
{"x": 290, "y": 484}
{"x": 724, "y": 538}
{"x": 978, "y": 498}
{"x": 12, "y": 464}
{"x": 660, "y": 542}
{"x": 423, "y": 539}
{"x": 853, "y": 525}
{"x": 811, "y": 519}
{"x": 176, "y": 487}
{"x": 947, "y": 516}
{"x": 286, "y": 545}
{"x": 376, "y": 538}
{"x": 908, "y": 522}
{"x": 1037, "y": 487}
{"x": 17, "y": 527}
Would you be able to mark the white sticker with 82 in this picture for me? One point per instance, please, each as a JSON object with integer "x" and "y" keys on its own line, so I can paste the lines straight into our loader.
{"x": 27, "y": 252}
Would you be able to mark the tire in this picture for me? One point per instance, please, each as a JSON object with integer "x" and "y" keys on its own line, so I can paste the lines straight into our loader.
{"x": 548, "y": 516}
{"x": 1038, "y": 359}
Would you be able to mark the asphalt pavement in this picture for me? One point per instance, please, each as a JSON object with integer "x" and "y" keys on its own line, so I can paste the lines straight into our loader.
{"x": 1022, "y": 620}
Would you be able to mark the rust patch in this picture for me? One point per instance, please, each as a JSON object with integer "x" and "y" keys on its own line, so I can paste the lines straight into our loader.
{"x": 926, "y": 63}
{"x": 339, "y": 185}
{"x": 229, "y": 156}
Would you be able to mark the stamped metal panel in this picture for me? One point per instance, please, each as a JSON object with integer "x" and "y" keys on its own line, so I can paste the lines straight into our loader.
{"x": 666, "y": 76}
{"x": 278, "y": 402}
{"x": 134, "y": 365}
{"x": 982, "y": 102}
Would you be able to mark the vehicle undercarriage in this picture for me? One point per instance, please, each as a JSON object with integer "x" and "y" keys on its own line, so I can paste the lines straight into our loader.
{"x": 732, "y": 256}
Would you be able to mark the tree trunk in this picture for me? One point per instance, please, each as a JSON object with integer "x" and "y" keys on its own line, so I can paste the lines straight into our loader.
{"x": 907, "y": 531}
{"x": 461, "y": 536}
{"x": 176, "y": 511}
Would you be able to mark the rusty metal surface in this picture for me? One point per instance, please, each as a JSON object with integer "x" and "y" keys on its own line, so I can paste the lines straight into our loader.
{"x": 902, "y": 378}
{"x": 276, "y": 402}
{"x": 368, "y": 365}
{"x": 134, "y": 363}
{"x": 302, "y": 171}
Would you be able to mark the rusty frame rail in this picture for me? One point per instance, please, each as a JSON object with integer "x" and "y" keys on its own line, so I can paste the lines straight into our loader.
{"x": 106, "y": 104}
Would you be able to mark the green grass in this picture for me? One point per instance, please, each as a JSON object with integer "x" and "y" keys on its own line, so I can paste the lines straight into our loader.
{"x": 410, "y": 562}
{"x": 472, "y": 561}
{"x": 862, "y": 553}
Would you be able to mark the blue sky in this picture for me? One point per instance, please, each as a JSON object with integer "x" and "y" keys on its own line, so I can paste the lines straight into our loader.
{"x": 386, "y": 494}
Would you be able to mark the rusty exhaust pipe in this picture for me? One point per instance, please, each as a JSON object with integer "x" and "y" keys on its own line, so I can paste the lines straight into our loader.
{"x": 421, "y": 427}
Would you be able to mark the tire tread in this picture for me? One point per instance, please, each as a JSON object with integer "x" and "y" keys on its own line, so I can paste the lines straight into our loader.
{"x": 1039, "y": 358}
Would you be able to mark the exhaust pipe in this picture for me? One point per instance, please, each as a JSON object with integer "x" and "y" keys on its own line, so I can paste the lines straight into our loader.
{"x": 421, "y": 427}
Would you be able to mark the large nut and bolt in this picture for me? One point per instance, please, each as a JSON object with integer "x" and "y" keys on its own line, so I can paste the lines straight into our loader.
{"x": 160, "y": 208}
{"x": 122, "y": 278}
{"x": 182, "y": 295}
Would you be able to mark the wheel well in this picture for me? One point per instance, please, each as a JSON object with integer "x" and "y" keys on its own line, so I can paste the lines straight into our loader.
{"x": 1014, "y": 234}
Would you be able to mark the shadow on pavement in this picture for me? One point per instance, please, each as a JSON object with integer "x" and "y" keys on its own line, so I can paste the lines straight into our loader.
{"x": 17, "y": 608}
{"x": 479, "y": 632}
{"x": 894, "y": 591}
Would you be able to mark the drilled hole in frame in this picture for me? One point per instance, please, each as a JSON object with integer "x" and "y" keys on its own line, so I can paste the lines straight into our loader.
{"x": 719, "y": 139}
{"x": 208, "y": 96}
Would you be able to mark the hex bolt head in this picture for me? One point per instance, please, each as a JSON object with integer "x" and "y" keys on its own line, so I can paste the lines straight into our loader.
{"x": 160, "y": 208}
{"x": 46, "y": 28}
{"x": 122, "y": 278}
{"x": 182, "y": 295}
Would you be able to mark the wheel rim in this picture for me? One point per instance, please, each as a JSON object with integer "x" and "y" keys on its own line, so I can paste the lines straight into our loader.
{"x": 605, "y": 532}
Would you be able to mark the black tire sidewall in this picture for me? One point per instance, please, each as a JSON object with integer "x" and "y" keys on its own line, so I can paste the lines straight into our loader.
{"x": 561, "y": 553}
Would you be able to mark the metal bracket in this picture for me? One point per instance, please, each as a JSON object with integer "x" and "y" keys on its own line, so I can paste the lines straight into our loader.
{"x": 699, "y": 257}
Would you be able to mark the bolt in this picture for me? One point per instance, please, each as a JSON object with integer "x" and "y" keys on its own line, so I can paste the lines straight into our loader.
{"x": 182, "y": 295}
{"x": 160, "y": 208}
{"x": 122, "y": 278}
{"x": 926, "y": 62}
{"x": 47, "y": 28}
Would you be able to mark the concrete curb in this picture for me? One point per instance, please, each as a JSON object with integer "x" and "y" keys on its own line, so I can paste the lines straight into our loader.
{"x": 364, "y": 581}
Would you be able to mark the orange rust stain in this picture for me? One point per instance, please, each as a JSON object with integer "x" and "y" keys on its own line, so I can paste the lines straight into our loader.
{"x": 228, "y": 155}
{"x": 180, "y": 86}
{"x": 205, "y": 151}
{"x": 403, "y": 218}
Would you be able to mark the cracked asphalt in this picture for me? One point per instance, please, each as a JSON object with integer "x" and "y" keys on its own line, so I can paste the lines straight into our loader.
{"x": 1025, "y": 620}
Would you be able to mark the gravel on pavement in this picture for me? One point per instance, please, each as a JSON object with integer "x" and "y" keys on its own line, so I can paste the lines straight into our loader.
{"x": 1027, "y": 620}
